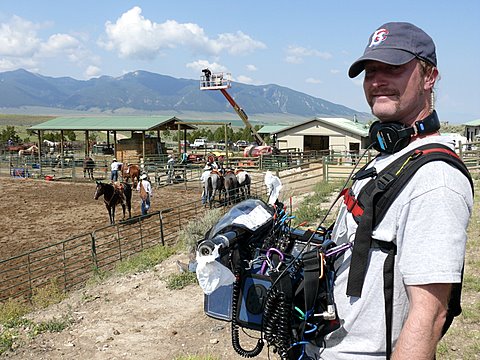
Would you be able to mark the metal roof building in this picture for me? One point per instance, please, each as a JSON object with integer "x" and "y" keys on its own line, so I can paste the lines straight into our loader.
{"x": 338, "y": 134}
{"x": 472, "y": 130}
{"x": 112, "y": 124}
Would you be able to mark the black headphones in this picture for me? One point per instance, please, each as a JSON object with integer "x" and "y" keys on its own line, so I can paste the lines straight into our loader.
{"x": 391, "y": 137}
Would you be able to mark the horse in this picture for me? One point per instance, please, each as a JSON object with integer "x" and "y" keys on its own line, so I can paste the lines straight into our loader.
{"x": 114, "y": 194}
{"x": 213, "y": 184}
{"x": 131, "y": 171}
{"x": 32, "y": 150}
{"x": 244, "y": 182}
{"x": 231, "y": 187}
{"x": 88, "y": 166}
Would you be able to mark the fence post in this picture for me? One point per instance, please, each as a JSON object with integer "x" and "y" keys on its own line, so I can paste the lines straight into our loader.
{"x": 162, "y": 238}
{"x": 94, "y": 250}
{"x": 325, "y": 169}
{"x": 64, "y": 267}
{"x": 119, "y": 244}
{"x": 29, "y": 275}
{"x": 141, "y": 233}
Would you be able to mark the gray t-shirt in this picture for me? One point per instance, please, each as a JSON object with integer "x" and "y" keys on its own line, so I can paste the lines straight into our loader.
{"x": 428, "y": 223}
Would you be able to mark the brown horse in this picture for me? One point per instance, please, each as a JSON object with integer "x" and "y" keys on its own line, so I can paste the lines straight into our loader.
{"x": 230, "y": 184}
{"x": 131, "y": 171}
{"x": 88, "y": 166}
{"x": 114, "y": 194}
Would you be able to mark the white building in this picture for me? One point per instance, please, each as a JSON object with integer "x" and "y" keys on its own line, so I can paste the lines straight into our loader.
{"x": 337, "y": 134}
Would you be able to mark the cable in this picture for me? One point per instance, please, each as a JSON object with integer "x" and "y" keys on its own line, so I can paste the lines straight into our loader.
{"x": 319, "y": 226}
{"x": 235, "y": 335}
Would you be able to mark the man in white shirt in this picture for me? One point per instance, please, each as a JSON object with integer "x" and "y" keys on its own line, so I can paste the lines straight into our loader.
{"x": 145, "y": 189}
{"x": 115, "y": 167}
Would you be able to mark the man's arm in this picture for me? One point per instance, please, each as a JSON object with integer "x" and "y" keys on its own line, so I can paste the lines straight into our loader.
{"x": 423, "y": 327}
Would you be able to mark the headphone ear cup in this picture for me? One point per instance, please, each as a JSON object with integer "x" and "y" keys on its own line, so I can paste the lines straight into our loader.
{"x": 388, "y": 137}
{"x": 373, "y": 133}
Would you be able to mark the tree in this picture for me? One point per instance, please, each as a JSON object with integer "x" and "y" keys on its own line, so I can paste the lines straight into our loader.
{"x": 9, "y": 133}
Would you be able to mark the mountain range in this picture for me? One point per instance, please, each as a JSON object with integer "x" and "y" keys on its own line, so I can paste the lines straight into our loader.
{"x": 142, "y": 91}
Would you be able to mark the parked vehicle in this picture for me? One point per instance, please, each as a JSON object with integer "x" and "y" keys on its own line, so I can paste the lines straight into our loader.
{"x": 199, "y": 144}
{"x": 241, "y": 144}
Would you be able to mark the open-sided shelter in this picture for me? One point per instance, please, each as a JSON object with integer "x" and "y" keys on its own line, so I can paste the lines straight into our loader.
{"x": 140, "y": 145}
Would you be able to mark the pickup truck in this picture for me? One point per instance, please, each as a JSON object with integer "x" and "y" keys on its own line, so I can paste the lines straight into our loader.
{"x": 199, "y": 144}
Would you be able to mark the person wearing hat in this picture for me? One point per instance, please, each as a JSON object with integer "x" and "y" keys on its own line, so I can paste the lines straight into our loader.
{"x": 145, "y": 189}
{"x": 115, "y": 167}
{"x": 170, "y": 169}
{"x": 426, "y": 222}
{"x": 204, "y": 178}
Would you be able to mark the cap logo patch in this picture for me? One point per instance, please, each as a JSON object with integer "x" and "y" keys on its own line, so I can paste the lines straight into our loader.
{"x": 378, "y": 37}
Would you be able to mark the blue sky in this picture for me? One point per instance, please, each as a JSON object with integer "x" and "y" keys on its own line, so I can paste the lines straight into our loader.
{"x": 304, "y": 45}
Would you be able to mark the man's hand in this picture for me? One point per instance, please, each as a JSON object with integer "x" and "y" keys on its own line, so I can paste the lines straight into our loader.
{"x": 423, "y": 327}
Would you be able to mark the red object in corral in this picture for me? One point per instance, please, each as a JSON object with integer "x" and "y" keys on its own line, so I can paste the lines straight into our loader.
{"x": 195, "y": 157}
{"x": 253, "y": 150}
{"x": 49, "y": 177}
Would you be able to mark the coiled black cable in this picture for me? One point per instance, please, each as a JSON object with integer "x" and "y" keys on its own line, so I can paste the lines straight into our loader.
{"x": 277, "y": 322}
{"x": 235, "y": 335}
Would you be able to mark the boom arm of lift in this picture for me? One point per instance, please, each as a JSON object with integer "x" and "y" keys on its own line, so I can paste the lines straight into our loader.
{"x": 244, "y": 117}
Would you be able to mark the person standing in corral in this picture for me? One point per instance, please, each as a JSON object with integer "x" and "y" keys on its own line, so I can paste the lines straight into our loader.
{"x": 170, "y": 169}
{"x": 205, "y": 175}
{"x": 115, "y": 166}
{"x": 145, "y": 189}
{"x": 274, "y": 185}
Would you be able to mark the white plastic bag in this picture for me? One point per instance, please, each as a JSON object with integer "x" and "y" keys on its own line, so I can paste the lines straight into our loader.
{"x": 211, "y": 274}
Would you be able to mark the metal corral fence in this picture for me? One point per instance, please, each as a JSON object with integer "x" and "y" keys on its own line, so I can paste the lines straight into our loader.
{"x": 71, "y": 165}
{"x": 71, "y": 262}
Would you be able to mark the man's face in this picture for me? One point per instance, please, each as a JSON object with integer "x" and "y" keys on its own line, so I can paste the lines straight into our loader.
{"x": 396, "y": 93}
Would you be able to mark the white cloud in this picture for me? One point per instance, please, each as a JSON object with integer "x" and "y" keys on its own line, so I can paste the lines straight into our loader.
{"x": 12, "y": 64}
{"x": 335, "y": 71}
{"x": 296, "y": 54}
{"x": 92, "y": 71}
{"x": 198, "y": 65}
{"x": 18, "y": 38}
{"x": 313, "y": 81}
{"x": 58, "y": 44}
{"x": 21, "y": 47}
{"x": 251, "y": 67}
{"x": 134, "y": 36}
{"x": 245, "y": 79}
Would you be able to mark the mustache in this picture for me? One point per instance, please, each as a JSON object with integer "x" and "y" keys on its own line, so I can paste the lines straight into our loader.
{"x": 386, "y": 92}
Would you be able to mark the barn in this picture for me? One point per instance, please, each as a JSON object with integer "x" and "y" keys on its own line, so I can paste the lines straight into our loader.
{"x": 472, "y": 130}
{"x": 337, "y": 134}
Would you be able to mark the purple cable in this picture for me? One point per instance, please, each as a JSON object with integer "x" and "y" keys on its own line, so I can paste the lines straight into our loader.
{"x": 338, "y": 249}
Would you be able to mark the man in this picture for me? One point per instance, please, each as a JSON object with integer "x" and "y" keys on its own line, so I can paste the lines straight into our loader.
{"x": 170, "y": 169}
{"x": 115, "y": 167}
{"x": 427, "y": 221}
{"x": 274, "y": 185}
{"x": 204, "y": 178}
{"x": 145, "y": 190}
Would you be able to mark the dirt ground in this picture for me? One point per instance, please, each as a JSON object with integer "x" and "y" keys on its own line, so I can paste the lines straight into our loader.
{"x": 132, "y": 317}
{"x": 36, "y": 212}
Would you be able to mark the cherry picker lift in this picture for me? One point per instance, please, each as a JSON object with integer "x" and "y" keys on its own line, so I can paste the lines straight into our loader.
{"x": 222, "y": 81}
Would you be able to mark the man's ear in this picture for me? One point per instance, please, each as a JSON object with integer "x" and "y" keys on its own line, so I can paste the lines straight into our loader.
{"x": 431, "y": 78}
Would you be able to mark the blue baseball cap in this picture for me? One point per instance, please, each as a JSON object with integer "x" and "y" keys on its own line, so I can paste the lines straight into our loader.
{"x": 396, "y": 43}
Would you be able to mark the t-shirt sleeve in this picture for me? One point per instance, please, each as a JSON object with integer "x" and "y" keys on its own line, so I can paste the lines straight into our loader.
{"x": 432, "y": 237}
